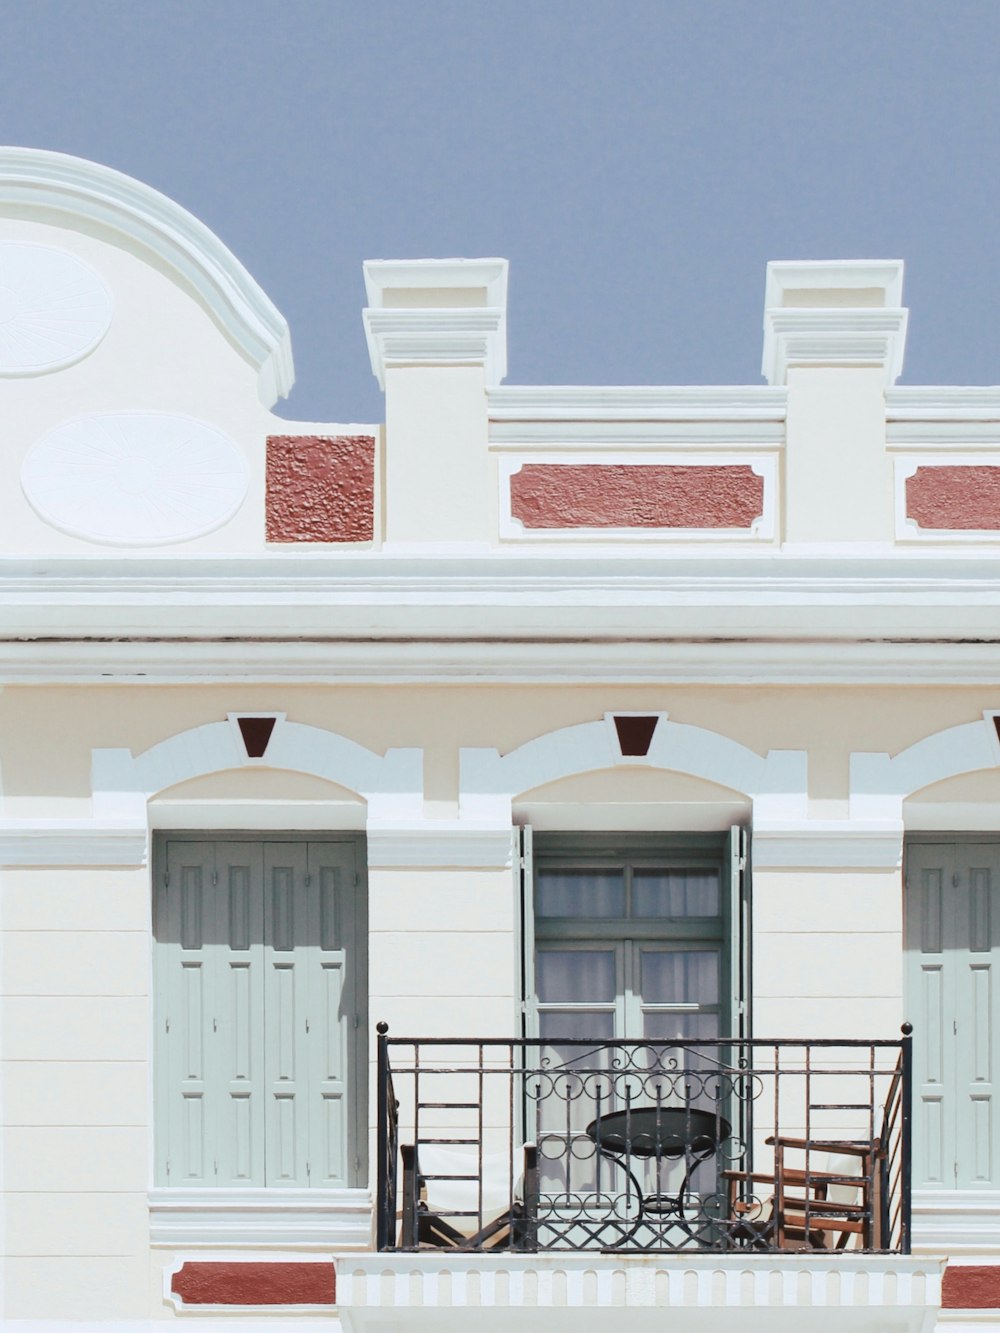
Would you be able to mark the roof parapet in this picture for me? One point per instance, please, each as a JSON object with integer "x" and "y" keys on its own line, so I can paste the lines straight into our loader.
{"x": 834, "y": 313}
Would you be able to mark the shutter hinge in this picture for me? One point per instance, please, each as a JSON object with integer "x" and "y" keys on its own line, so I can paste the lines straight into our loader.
{"x": 955, "y": 880}
{"x": 357, "y": 879}
{"x": 307, "y": 1024}
{"x": 215, "y": 877}
{"x": 954, "y": 1027}
{"x": 215, "y": 1166}
{"x": 166, "y": 879}
{"x": 166, "y": 1025}
{"x": 168, "y": 1166}
{"x": 357, "y": 1021}
{"x": 308, "y": 1169}
{"x": 742, "y": 863}
{"x": 308, "y": 879}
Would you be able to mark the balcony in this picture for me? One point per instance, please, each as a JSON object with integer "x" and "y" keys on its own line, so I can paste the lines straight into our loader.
{"x": 714, "y": 1146}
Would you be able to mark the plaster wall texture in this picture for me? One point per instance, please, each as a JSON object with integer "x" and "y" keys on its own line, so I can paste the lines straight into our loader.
{"x": 436, "y": 463}
{"x": 838, "y": 482}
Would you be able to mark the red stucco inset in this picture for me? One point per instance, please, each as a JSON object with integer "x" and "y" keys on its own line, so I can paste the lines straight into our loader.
{"x": 205, "y": 1283}
{"x": 976, "y": 1287}
{"x": 954, "y": 497}
{"x": 320, "y": 488}
{"x": 636, "y": 495}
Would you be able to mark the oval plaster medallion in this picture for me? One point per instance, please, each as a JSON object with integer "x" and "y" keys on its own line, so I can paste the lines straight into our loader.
{"x": 135, "y": 478}
{"x": 54, "y": 309}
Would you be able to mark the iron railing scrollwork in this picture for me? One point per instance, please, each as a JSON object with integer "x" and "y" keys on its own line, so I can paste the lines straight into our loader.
{"x": 757, "y": 1145}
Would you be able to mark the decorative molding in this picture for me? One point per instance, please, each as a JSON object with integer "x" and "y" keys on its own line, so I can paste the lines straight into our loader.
{"x": 880, "y": 783}
{"x": 828, "y": 336}
{"x": 558, "y": 660}
{"x": 392, "y": 784}
{"x": 76, "y": 842}
{"x": 943, "y": 403}
{"x": 437, "y": 337}
{"x": 440, "y": 843}
{"x": 732, "y": 436}
{"x": 337, "y": 1219}
{"x": 385, "y": 277}
{"x": 424, "y": 1285}
{"x": 935, "y": 436}
{"x": 789, "y": 281}
{"x": 135, "y": 478}
{"x": 815, "y": 844}
{"x": 949, "y": 487}
{"x": 488, "y": 782}
{"x": 437, "y": 311}
{"x": 54, "y": 309}
{"x": 55, "y": 183}
{"x": 761, "y": 528}
{"x": 965, "y": 1221}
{"x": 577, "y": 403}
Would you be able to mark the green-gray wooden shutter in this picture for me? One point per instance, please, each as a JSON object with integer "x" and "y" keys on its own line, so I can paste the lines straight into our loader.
{"x": 259, "y": 1014}
{"x": 953, "y": 939}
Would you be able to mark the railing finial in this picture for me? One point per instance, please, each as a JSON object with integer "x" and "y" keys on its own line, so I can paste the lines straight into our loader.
{"x": 381, "y": 1027}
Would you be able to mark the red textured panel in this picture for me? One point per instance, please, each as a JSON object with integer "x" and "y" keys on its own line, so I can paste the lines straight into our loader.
{"x": 954, "y": 497}
{"x": 636, "y": 495}
{"x": 320, "y": 488}
{"x": 976, "y": 1287}
{"x": 205, "y": 1283}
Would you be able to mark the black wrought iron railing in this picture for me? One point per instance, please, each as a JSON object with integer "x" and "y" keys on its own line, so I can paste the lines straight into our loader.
{"x": 760, "y": 1145}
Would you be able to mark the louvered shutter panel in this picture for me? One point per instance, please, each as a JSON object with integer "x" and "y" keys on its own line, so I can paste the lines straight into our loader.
{"x": 335, "y": 1031}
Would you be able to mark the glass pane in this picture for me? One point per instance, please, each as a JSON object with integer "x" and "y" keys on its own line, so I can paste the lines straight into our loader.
{"x": 676, "y": 892}
{"x": 593, "y": 1026}
{"x": 578, "y": 976}
{"x": 589, "y": 893}
{"x": 689, "y": 976}
{"x": 660, "y": 1025}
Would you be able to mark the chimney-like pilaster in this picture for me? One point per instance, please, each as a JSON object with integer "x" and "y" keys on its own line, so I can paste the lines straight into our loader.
{"x": 436, "y": 331}
{"x": 834, "y": 333}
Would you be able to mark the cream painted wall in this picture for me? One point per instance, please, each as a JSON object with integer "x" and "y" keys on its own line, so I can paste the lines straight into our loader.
{"x": 838, "y": 481}
{"x": 436, "y": 465}
{"x": 75, "y": 967}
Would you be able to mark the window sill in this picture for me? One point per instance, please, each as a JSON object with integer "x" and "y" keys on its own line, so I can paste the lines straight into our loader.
{"x": 338, "y": 1219}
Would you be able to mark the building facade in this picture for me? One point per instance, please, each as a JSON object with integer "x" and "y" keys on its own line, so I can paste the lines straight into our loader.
{"x": 485, "y": 865}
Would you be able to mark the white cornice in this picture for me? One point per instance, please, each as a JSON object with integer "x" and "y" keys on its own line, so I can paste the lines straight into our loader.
{"x": 831, "y": 336}
{"x": 332, "y": 1218}
{"x": 562, "y": 402}
{"x": 414, "y": 275}
{"x": 635, "y": 433}
{"x": 924, "y": 603}
{"x": 813, "y": 844}
{"x": 439, "y": 843}
{"x": 560, "y": 662}
{"x": 55, "y": 185}
{"x": 448, "y": 336}
{"x": 943, "y": 403}
{"x": 71, "y": 842}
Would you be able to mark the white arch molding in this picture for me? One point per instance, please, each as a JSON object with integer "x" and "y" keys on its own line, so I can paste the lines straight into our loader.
{"x": 56, "y": 185}
{"x": 489, "y": 782}
{"x": 880, "y": 782}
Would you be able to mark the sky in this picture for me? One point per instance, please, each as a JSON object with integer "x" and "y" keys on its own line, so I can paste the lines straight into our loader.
{"x": 637, "y": 161}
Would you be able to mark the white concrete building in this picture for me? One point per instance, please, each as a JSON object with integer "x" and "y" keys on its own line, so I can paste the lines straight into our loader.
{"x": 659, "y": 720}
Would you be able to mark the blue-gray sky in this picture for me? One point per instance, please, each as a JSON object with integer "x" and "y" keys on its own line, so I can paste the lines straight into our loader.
{"x": 638, "y": 162}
